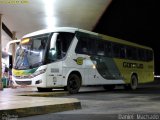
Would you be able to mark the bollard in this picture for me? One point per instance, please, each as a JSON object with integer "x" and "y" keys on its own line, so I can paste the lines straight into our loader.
{"x": 1, "y": 86}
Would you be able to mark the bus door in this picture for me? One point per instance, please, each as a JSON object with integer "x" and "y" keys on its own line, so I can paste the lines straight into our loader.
{"x": 54, "y": 57}
{"x": 54, "y": 74}
{"x": 59, "y": 46}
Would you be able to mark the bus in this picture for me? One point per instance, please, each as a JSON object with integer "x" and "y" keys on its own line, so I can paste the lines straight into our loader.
{"x": 69, "y": 58}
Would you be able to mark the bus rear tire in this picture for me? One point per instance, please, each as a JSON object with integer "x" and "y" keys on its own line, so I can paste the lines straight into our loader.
{"x": 109, "y": 87}
{"x": 44, "y": 89}
{"x": 73, "y": 84}
{"x": 133, "y": 83}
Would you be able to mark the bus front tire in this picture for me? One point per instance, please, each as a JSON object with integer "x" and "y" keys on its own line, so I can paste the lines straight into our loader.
{"x": 73, "y": 84}
{"x": 44, "y": 89}
{"x": 133, "y": 83}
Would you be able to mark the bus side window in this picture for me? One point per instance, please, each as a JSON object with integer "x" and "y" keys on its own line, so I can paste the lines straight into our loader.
{"x": 149, "y": 55}
{"x": 91, "y": 46}
{"x": 66, "y": 41}
{"x": 84, "y": 50}
{"x": 122, "y": 52}
{"x": 86, "y": 43}
{"x": 108, "y": 49}
{"x": 131, "y": 53}
{"x": 100, "y": 48}
{"x": 63, "y": 42}
{"x": 82, "y": 46}
{"x": 141, "y": 54}
{"x": 116, "y": 50}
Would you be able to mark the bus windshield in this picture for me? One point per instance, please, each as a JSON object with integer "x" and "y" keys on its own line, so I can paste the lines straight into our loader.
{"x": 31, "y": 52}
{"x": 42, "y": 49}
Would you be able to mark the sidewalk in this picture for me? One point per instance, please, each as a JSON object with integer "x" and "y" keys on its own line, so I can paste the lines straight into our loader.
{"x": 12, "y": 104}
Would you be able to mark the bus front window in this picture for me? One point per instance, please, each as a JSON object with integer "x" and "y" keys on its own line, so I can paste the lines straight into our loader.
{"x": 31, "y": 52}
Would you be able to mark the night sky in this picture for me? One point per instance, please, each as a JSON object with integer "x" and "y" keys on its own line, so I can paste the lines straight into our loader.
{"x": 136, "y": 21}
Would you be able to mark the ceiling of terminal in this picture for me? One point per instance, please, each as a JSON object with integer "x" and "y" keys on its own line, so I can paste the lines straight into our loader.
{"x": 42, "y": 14}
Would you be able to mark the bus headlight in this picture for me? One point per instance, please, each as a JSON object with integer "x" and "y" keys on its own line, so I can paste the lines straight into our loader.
{"x": 38, "y": 73}
{"x": 38, "y": 81}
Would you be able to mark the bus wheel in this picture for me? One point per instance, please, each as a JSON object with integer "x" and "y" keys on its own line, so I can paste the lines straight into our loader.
{"x": 44, "y": 89}
{"x": 133, "y": 84}
{"x": 109, "y": 87}
{"x": 73, "y": 84}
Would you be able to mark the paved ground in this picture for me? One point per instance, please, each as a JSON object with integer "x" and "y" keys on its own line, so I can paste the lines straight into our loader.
{"x": 13, "y": 103}
{"x": 98, "y": 104}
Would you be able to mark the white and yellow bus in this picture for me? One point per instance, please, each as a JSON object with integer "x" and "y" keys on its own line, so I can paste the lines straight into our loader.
{"x": 71, "y": 57}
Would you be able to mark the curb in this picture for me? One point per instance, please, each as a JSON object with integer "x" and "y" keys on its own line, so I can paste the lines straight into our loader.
{"x": 39, "y": 110}
{"x": 48, "y": 94}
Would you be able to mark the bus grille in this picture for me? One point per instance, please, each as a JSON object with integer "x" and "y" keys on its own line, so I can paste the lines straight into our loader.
{"x": 23, "y": 82}
{"x": 21, "y": 77}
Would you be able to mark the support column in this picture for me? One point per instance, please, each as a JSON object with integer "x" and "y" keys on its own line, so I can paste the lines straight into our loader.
{"x": 1, "y": 83}
{"x": 13, "y": 46}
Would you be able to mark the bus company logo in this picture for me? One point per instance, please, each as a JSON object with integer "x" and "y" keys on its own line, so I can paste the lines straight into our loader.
{"x": 79, "y": 60}
{"x": 14, "y": 1}
{"x": 132, "y": 65}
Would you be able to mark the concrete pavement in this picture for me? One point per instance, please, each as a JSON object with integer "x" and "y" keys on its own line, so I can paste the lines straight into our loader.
{"x": 18, "y": 102}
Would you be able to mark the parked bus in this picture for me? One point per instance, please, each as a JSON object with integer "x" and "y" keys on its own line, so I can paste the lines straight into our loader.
{"x": 70, "y": 58}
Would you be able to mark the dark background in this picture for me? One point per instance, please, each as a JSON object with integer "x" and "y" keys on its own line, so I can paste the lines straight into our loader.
{"x": 136, "y": 21}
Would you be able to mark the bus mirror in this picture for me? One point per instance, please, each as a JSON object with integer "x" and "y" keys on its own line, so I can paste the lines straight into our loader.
{"x": 53, "y": 40}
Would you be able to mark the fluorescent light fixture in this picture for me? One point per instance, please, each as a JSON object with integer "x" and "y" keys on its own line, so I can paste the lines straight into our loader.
{"x": 51, "y": 22}
{"x": 50, "y": 19}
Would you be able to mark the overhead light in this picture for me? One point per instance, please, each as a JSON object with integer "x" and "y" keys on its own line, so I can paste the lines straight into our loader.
{"x": 50, "y": 18}
{"x": 51, "y": 22}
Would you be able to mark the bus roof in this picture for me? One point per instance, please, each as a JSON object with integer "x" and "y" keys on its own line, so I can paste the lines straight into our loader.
{"x": 58, "y": 29}
{"x": 73, "y": 30}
